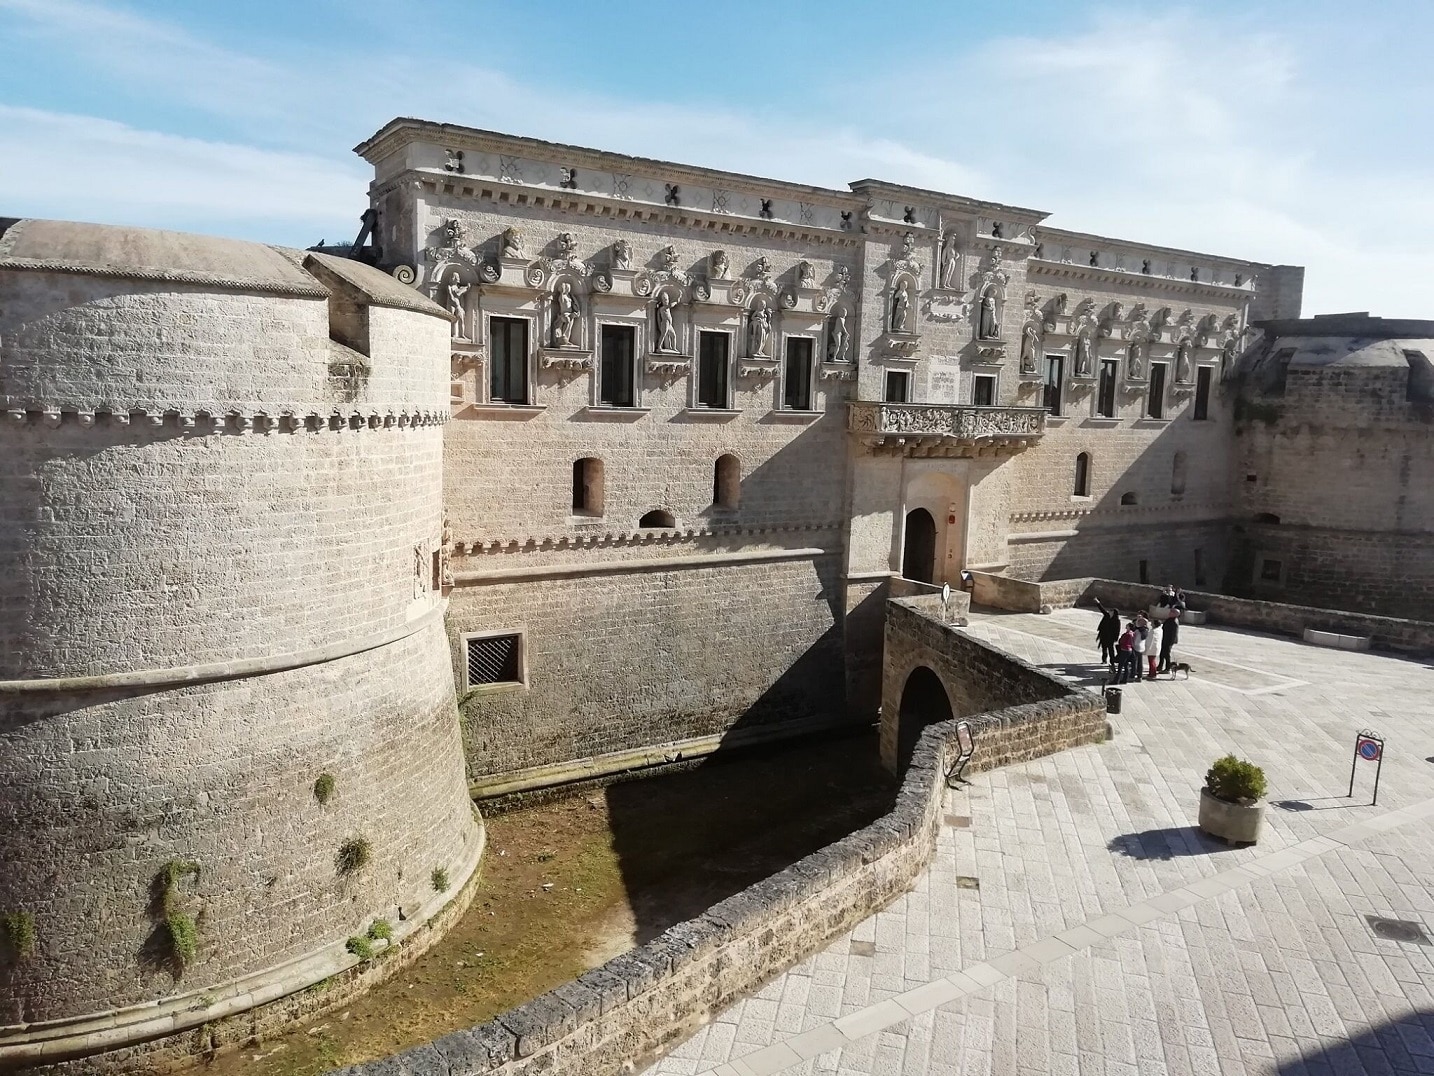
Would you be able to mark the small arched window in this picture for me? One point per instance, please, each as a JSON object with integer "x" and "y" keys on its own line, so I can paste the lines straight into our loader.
{"x": 657, "y": 519}
{"x": 1177, "y": 474}
{"x": 587, "y": 486}
{"x": 1129, "y": 498}
{"x": 726, "y": 482}
{"x": 1082, "y": 475}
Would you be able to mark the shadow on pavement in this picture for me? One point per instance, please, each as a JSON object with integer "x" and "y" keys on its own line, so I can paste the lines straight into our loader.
{"x": 1167, "y": 843}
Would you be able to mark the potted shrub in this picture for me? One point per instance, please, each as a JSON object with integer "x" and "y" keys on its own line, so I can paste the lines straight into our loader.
{"x": 1230, "y": 801}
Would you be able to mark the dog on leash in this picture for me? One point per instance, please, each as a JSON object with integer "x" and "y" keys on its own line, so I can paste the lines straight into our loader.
{"x": 1179, "y": 666}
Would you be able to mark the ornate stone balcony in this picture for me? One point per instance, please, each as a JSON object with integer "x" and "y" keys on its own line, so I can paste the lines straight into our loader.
{"x": 950, "y": 430}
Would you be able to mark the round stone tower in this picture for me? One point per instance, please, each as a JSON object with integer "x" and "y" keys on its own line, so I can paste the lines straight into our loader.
{"x": 228, "y": 735}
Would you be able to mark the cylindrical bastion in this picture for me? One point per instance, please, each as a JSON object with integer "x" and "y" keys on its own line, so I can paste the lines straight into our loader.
{"x": 228, "y": 735}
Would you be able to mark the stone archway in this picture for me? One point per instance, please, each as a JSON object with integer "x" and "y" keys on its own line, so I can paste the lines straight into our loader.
{"x": 923, "y": 701}
{"x": 918, "y": 557}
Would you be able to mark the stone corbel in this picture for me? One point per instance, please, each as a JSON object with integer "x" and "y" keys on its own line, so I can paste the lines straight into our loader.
{"x": 566, "y": 358}
{"x": 757, "y": 369}
{"x": 842, "y": 371}
{"x": 669, "y": 367}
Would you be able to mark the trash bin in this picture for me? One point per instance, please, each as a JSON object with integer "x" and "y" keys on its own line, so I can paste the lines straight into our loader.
{"x": 1112, "y": 700}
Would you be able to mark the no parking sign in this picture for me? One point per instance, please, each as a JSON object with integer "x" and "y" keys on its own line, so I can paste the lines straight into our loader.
{"x": 1368, "y": 747}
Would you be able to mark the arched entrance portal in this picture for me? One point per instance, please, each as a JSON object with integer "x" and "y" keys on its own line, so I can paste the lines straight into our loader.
{"x": 923, "y": 700}
{"x": 918, "y": 558}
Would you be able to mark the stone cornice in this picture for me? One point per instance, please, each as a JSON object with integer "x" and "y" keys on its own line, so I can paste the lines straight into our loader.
{"x": 275, "y": 420}
{"x": 1132, "y": 280}
{"x": 610, "y": 208}
{"x": 613, "y": 537}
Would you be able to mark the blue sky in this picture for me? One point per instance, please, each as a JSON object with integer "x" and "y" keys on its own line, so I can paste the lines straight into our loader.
{"x": 1283, "y": 131}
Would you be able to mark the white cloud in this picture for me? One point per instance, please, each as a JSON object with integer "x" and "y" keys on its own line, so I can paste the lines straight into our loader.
{"x": 78, "y": 167}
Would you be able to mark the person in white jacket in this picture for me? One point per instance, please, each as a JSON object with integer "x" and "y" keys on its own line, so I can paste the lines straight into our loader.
{"x": 1152, "y": 647}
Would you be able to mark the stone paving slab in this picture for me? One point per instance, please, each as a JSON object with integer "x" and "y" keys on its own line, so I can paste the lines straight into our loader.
{"x": 1107, "y": 935}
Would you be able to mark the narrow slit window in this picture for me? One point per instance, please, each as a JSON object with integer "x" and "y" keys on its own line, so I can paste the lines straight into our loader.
{"x": 726, "y": 482}
{"x": 587, "y": 486}
{"x": 1082, "y": 475}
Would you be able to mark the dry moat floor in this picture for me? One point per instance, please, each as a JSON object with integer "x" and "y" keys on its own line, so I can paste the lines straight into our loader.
{"x": 570, "y": 883}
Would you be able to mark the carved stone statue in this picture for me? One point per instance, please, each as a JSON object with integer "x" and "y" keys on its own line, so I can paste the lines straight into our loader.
{"x": 512, "y": 245}
{"x": 837, "y": 339}
{"x": 565, "y": 315}
{"x": 1083, "y": 355}
{"x": 453, "y": 292}
{"x": 666, "y": 331}
{"x": 988, "y": 327}
{"x": 1030, "y": 345}
{"x": 717, "y": 264}
{"x": 901, "y": 308}
{"x": 622, "y": 254}
{"x": 908, "y": 244}
{"x": 762, "y": 267}
{"x": 806, "y": 275}
{"x": 667, "y": 257}
{"x": 567, "y": 244}
{"x": 843, "y": 276}
{"x": 759, "y": 331}
{"x": 453, "y": 232}
{"x": 1135, "y": 362}
{"x": 950, "y": 260}
{"x": 1182, "y": 362}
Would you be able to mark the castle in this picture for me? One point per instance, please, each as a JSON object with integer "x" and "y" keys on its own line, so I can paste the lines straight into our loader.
{"x": 651, "y": 444}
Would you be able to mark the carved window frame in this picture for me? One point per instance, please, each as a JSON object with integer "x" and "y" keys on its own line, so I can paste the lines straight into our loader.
{"x": 640, "y": 323}
{"x": 994, "y": 376}
{"x": 512, "y": 309}
{"x": 812, "y": 367}
{"x": 694, "y": 400}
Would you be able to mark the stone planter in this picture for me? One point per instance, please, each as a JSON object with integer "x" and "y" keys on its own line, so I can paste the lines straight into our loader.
{"x": 1233, "y": 822}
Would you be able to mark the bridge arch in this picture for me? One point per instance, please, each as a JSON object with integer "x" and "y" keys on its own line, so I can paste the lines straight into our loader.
{"x": 924, "y": 700}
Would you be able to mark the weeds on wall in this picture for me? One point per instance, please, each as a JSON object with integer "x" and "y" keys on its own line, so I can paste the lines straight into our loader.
{"x": 18, "y": 929}
{"x": 324, "y": 788}
{"x": 439, "y": 878}
{"x": 360, "y": 947}
{"x": 178, "y": 932}
{"x": 353, "y": 855}
{"x": 380, "y": 930}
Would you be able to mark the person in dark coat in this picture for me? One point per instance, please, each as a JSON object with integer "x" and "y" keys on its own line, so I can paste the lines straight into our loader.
{"x": 1169, "y": 637}
{"x": 1108, "y": 632}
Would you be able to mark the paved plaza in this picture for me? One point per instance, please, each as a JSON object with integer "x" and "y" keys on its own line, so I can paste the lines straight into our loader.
{"x": 1074, "y": 921}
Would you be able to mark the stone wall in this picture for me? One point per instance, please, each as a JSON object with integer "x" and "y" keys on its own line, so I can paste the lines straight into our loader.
{"x": 980, "y": 681}
{"x": 205, "y": 612}
{"x": 607, "y": 1020}
{"x": 711, "y": 639}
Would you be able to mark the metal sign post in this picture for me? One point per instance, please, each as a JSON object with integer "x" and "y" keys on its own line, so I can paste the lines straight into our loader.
{"x": 1368, "y": 747}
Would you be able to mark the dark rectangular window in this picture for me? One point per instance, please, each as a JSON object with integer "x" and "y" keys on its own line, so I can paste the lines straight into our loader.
{"x": 797, "y": 383}
{"x": 1105, "y": 391}
{"x": 617, "y": 387}
{"x": 1270, "y": 570}
{"x": 983, "y": 390}
{"x": 898, "y": 383}
{"x": 508, "y": 347}
{"x": 1202, "y": 392}
{"x": 712, "y": 349}
{"x": 496, "y": 659}
{"x": 1155, "y": 397}
{"x": 1055, "y": 371}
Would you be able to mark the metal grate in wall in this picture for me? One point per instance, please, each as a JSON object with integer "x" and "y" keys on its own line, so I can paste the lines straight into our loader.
{"x": 493, "y": 660}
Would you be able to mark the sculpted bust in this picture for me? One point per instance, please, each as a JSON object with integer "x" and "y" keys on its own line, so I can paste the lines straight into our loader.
{"x": 718, "y": 264}
{"x": 512, "y": 245}
{"x": 622, "y": 254}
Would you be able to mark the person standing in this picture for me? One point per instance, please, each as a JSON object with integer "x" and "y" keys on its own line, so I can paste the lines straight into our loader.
{"x": 1152, "y": 647}
{"x": 1168, "y": 638}
{"x": 1141, "y": 627}
{"x": 1125, "y": 654}
{"x": 1108, "y": 632}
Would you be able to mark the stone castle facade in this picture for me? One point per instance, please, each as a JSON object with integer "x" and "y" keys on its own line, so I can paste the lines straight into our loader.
{"x": 582, "y": 463}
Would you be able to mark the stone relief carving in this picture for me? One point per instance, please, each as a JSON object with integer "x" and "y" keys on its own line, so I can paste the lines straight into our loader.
{"x": 566, "y": 244}
{"x": 717, "y": 264}
{"x": 901, "y": 308}
{"x": 622, "y": 254}
{"x": 991, "y": 298}
{"x": 908, "y": 245}
{"x": 759, "y": 332}
{"x": 838, "y": 339}
{"x": 666, "y": 330}
{"x": 667, "y": 259}
{"x": 1135, "y": 361}
{"x": 762, "y": 268}
{"x": 453, "y": 293}
{"x": 1183, "y": 362}
{"x": 1084, "y": 355}
{"x": 1030, "y": 347}
{"x": 511, "y": 244}
{"x": 565, "y": 315}
{"x": 806, "y": 275}
{"x": 453, "y": 248}
{"x": 950, "y": 262}
{"x": 961, "y": 422}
